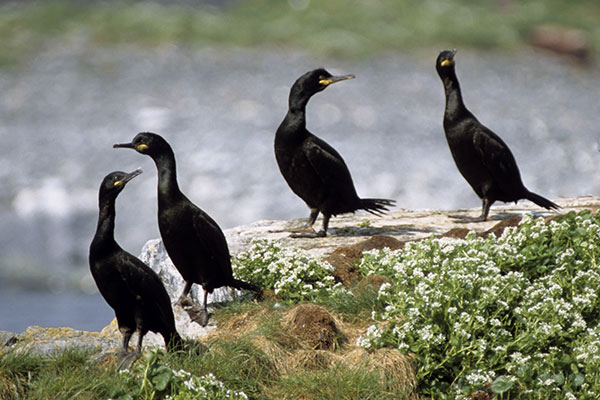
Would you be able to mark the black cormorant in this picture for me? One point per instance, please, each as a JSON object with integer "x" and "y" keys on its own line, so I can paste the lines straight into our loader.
{"x": 313, "y": 169}
{"x": 129, "y": 286}
{"x": 193, "y": 240}
{"x": 482, "y": 158}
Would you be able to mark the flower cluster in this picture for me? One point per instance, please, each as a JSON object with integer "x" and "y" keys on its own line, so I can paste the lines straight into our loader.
{"x": 205, "y": 387}
{"x": 519, "y": 311}
{"x": 517, "y": 314}
{"x": 292, "y": 274}
{"x": 155, "y": 379}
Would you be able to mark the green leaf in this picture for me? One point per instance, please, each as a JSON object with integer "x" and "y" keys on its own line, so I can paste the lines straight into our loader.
{"x": 161, "y": 377}
{"x": 502, "y": 384}
{"x": 578, "y": 379}
{"x": 559, "y": 379}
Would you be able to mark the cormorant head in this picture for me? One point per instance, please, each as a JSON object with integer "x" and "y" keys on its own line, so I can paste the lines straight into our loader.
{"x": 146, "y": 143}
{"x": 315, "y": 81}
{"x": 113, "y": 183}
{"x": 445, "y": 61}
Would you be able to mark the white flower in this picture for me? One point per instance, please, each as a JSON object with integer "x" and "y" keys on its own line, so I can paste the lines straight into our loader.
{"x": 363, "y": 342}
{"x": 190, "y": 384}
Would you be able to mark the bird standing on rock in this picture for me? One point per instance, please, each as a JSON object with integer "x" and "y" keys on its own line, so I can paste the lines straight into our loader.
{"x": 129, "y": 286}
{"x": 481, "y": 156}
{"x": 193, "y": 240}
{"x": 313, "y": 169}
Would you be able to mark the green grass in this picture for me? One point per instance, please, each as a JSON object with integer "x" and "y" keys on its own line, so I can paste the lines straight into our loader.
{"x": 335, "y": 27}
{"x": 65, "y": 375}
{"x": 337, "y": 382}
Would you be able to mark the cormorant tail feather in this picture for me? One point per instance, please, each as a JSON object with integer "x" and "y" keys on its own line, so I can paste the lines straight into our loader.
{"x": 376, "y": 206}
{"x": 542, "y": 201}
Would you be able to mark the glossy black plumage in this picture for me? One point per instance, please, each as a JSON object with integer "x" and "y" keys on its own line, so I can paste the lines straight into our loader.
{"x": 129, "y": 286}
{"x": 193, "y": 240}
{"x": 481, "y": 156}
{"x": 313, "y": 169}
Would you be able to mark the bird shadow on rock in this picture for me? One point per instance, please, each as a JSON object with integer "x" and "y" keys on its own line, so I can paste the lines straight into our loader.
{"x": 392, "y": 230}
{"x": 464, "y": 219}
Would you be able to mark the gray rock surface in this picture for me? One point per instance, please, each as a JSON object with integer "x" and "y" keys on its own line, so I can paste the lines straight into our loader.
{"x": 401, "y": 224}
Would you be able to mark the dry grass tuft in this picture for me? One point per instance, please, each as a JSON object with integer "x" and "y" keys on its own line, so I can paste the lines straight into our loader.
{"x": 315, "y": 327}
{"x": 390, "y": 364}
{"x": 307, "y": 339}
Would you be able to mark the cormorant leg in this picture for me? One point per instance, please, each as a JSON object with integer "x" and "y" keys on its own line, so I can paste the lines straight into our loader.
{"x": 485, "y": 209}
{"x": 323, "y": 231}
{"x": 197, "y": 313}
{"x": 126, "y": 337}
{"x": 307, "y": 230}
{"x": 186, "y": 292}
{"x": 203, "y": 315}
{"x": 125, "y": 359}
{"x": 314, "y": 213}
{"x": 205, "y": 305}
{"x": 139, "y": 342}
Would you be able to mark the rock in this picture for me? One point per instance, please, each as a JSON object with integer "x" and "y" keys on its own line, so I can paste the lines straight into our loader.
{"x": 50, "y": 340}
{"x": 7, "y": 338}
{"x": 401, "y": 225}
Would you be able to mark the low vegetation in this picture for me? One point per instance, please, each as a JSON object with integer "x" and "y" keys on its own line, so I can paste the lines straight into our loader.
{"x": 508, "y": 317}
{"x": 333, "y": 27}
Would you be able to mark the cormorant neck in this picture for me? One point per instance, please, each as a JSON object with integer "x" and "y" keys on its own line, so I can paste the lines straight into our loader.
{"x": 454, "y": 101}
{"x": 167, "y": 174}
{"x": 106, "y": 222}
{"x": 298, "y": 100}
{"x": 293, "y": 127}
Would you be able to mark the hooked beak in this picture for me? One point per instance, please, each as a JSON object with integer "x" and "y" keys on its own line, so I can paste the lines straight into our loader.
{"x": 132, "y": 175}
{"x": 128, "y": 177}
{"x": 334, "y": 79}
{"x": 123, "y": 145}
{"x": 139, "y": 147}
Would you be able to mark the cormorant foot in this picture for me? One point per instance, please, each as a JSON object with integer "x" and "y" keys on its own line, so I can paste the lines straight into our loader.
{"x": 126, "y": 359}
{"x": 466, "y": 219}
{"x": 185, "y": 302}
{"x": 198, "y": 314}
{"x": 201, "y": 317}
{"x": 308, "y": 234}
{"x": 303, "y": 229}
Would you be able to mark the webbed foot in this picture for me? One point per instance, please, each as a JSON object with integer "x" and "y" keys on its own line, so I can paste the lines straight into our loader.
{"x": 466, "y": 219}
{"x": 126, "y": 359}
{"x": 197, "y": 314}
{"x": 307, "y": 232}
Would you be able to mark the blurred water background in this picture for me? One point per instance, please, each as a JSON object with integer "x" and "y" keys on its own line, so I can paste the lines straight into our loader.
{"x": 67, "y": 98}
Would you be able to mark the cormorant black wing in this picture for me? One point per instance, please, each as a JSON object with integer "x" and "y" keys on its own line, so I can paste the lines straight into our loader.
{"x": 212, "y": 243}
{"x": 146, "y": 287}
{"x": 496, "y": 158}
{"x": 328, "y": 164}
